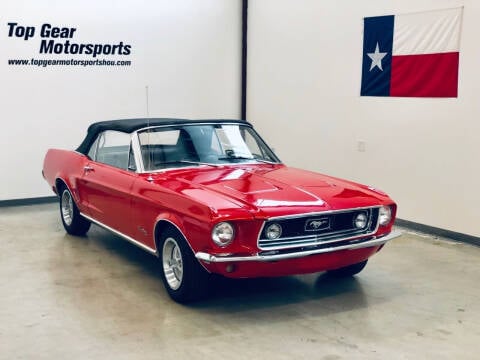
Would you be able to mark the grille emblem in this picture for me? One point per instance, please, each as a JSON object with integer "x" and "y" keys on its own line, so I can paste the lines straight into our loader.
{"x": 317, "y": 224}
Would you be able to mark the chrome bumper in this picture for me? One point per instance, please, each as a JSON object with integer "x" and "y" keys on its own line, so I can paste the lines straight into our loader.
{"x": 275, "y": 257}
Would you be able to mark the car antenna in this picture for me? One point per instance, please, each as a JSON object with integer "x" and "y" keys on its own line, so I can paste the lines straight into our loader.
{"x": 146, "y": 98}
{"x": 150, "y": 178}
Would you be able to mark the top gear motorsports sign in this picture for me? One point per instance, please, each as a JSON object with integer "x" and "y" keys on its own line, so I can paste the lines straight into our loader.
{"x": 58, "y": 41}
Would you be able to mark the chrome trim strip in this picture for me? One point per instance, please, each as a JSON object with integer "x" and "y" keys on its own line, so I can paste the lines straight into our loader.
{"x": 227, "y": 122}
{"x": 161, "y": 171}
{"x": 137, "y": 152}
{"x": 326, "y": 212}
{"x": 275, "y": 257}
{"x": 126, "y": 237}
{"x": 311, "y": 242}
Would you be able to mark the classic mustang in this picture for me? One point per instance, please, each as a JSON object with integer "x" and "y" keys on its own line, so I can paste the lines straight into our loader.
{"x": 209, "y": 196}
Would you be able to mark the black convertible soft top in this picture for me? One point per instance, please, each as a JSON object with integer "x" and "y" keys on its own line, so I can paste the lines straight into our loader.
{"x": 130, "y": 125}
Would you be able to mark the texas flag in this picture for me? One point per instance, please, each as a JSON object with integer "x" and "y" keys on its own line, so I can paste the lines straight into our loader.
{"x": 412, "y": 55}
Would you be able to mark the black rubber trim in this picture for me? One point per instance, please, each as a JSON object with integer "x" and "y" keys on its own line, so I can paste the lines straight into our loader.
{"x": 432, "y": 230}
{"x": 29, "y": 201}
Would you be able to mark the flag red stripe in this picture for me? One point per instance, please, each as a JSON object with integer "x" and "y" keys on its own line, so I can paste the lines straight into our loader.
{"x": 428, "y": 75}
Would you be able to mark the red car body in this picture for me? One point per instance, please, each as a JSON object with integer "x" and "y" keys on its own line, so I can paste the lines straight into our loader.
{"x": 248, "y": 195}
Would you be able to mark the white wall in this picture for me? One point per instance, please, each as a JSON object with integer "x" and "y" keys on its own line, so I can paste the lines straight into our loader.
{"x": 186, "y": 51}
{"x": 304, "y": 73}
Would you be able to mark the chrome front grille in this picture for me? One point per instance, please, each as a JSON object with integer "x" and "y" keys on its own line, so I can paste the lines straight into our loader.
{"x": 317, "y": 229}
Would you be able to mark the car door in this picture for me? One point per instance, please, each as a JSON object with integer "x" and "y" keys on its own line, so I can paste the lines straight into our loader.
{"x": 108, "y": 179}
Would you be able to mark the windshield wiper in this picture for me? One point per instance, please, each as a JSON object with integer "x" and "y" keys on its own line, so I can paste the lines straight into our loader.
{"x": 239, "y": 157}
{"x": 236, "y": 157}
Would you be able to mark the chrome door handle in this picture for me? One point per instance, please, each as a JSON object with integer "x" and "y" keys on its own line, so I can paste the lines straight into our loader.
{"x": 87, "y": 168}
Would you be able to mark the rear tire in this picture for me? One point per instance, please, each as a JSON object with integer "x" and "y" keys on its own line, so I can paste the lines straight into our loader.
{"x": 184, "y": 278}
{"x": 73, "y": 222}
{"x": 348, "y": 270}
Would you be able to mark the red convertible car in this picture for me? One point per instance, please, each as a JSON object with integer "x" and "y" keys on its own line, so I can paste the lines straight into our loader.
{"x": 209, "y": 196}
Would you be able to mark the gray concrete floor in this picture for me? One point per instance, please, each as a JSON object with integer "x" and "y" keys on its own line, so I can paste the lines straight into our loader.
{"x": 64, "y": 297}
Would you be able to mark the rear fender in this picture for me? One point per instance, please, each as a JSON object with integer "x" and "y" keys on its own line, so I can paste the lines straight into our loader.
{"x": 64, "y": 182}
{"x": 64, "y": 167}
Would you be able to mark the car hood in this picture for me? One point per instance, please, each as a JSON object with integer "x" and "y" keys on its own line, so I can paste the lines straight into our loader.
{"x": 266, "y": 190}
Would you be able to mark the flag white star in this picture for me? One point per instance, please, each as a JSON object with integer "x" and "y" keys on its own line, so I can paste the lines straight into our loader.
{"x": 376, "y": 57}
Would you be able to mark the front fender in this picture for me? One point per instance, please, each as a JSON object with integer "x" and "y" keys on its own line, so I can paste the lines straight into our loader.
{"x": 165, "y": 220}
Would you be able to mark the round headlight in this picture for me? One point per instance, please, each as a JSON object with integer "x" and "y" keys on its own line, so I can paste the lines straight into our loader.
{"x": 223, "y": 233}
{"x": 361, "y": 220}
{"x": 273, "y": 231}
{"x": 384, "y": 215}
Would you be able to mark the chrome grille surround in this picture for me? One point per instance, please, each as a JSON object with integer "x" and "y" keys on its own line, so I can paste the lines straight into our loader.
{"x": 340, "y": 229}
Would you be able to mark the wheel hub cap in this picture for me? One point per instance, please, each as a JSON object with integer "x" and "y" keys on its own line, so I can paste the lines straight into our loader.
{"x": 172, "y": 263}
{"x": 67, "y": 208}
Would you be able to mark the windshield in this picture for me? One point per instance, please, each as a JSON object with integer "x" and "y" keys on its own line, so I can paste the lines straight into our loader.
{"x": 186, "y": 145}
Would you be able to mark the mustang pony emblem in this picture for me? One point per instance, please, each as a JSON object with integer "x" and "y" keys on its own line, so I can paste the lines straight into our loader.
{"x": 317, "y": 224}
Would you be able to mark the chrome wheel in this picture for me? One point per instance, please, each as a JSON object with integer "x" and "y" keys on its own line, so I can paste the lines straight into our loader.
{"x": 67, "y": 207}
{"x": 172, "y": 263}
{"x": 72, "y": 221}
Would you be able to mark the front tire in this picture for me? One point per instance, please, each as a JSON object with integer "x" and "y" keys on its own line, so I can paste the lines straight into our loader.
{"x": 73, "y": 222}
{"x": 184, "y": 278}
{"x": 348, "y": 270}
